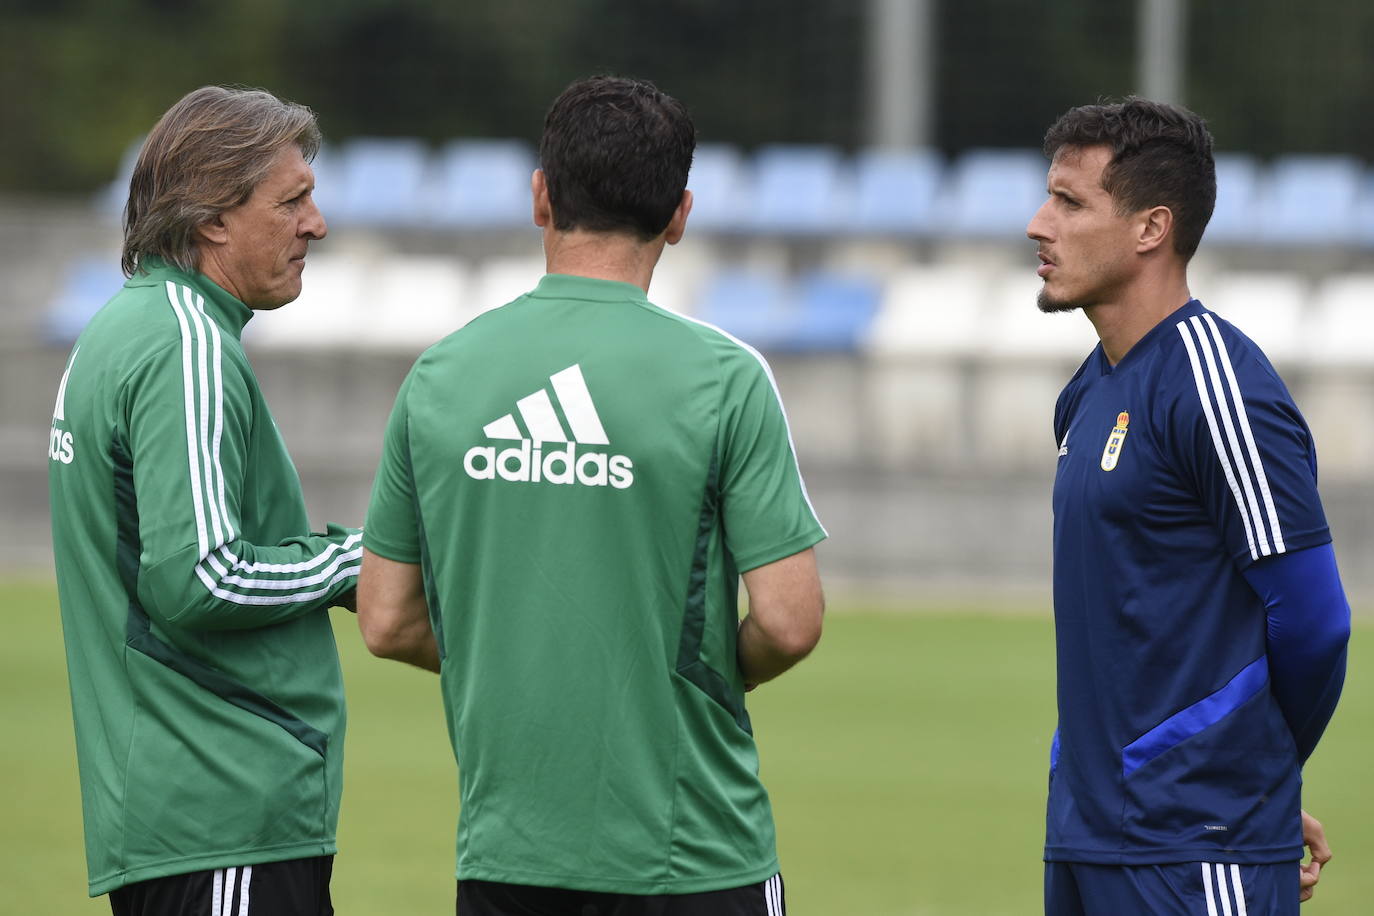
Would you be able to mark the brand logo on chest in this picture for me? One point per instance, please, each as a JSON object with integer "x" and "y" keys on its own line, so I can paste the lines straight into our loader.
{"x": 1111, "y": 453}
{"x": 530, "y": 462}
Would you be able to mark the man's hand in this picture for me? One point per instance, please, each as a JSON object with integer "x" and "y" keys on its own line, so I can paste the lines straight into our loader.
{"x": 1314, "y": 838}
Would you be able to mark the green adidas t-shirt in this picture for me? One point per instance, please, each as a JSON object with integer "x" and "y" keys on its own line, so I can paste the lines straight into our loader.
{"x": 582, "y": 477}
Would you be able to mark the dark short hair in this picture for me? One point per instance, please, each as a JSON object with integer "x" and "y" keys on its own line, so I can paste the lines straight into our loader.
{"x": 205, "y": 156}
{"x": 1161, "y": 156}
{"x": 615, "y": 154}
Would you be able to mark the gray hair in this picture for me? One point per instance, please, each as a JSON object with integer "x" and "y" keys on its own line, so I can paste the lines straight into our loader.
{"x": 205, "y": 156}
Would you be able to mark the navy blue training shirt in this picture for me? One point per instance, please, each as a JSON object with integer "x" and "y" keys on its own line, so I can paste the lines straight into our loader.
{"x": 1178, "y": 469}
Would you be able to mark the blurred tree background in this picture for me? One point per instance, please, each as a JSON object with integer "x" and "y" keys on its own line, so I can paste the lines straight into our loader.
{"x": 82, "y": 78}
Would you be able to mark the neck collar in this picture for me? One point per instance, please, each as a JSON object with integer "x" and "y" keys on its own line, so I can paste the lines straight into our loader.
{"x": 228, "y": 312}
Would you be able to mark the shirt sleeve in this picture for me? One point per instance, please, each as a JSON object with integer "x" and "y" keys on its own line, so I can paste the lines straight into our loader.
{"x": 393, "y": 527}
{"x": 188, "y": 415}
{"x": 766, "y": 512}
{"x": 1246, "y": 449}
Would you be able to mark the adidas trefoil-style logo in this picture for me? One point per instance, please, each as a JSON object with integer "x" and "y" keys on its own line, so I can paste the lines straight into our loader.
{"x": 530, "y": 462}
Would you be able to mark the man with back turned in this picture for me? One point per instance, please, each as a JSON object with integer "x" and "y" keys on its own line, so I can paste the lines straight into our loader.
{"x": 570, "y": 488}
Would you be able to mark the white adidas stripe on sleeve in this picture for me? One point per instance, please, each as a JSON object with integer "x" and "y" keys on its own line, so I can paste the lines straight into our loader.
{"x": 212, "y": 586}
{"x": 202, "y": 374}
{"x": 1223, "y": 405}
{"x": 188, "y": 385}
{"x": 209, "y": 464}
{"x": 227, "y": 578}
{"x": 1225, "y": 413}
{"x": 303, "y": 566}
{"x": 229, "y": 533}
{"x": 1260, "y": 477}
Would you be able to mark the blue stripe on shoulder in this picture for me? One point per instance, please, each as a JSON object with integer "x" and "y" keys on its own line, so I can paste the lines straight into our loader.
{"x": 1203, "y": 714}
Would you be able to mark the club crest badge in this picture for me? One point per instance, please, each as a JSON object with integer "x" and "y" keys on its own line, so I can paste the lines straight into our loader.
{"x": 1112, "y": 452}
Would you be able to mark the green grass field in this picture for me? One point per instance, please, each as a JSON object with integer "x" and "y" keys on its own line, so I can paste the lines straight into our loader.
{"x": 906, "y": 761}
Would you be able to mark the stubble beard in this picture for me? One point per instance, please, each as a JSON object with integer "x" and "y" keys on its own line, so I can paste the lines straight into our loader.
{"x": 1101, "y": 282}
{"x": 1049, "y": 305}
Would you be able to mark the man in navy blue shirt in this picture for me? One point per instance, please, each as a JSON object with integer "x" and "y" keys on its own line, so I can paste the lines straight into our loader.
{"x": 1201, "y": 626}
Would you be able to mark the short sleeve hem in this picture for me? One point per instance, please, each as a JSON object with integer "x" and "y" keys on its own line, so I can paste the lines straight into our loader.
{"x": 390, "y": 550}
{"x": 756, "y": 558}
{"x": 1291, "y": 544}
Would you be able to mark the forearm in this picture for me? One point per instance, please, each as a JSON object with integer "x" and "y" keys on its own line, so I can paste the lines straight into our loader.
{"x": 783, "y": 625}
{"x": 393, "y": 614}
{"x": 763, "y": 656}
{"x": 1308, "y": 628}
{"x": 414, "y": 645}
{"x": 1308, "y": 732}
{"x": 242, "y": 585}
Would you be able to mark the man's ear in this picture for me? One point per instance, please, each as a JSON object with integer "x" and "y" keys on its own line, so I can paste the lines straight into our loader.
{"x": 1155, "y": 227}
{"x": 539, "y": 193}
{"x": 214, "y": 230}
{"x": 678, "y": 224}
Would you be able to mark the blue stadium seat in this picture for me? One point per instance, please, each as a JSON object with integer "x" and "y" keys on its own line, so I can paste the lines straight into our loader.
{"x": 1364, "y": 212}
{"x": 823, "y": 311}
{"x": 87, "y": 284}
{"x": 328, "y": 193}
{"x": 483, "y": 184}
{"x": 834, "y": 311}
{"x": 752, "y": 305}
{"x": 1311, "y": 200}
{"x": 721, "y": 191}
{"x": 895, "y": 192}
{"x": 799, "y": 190}
{"x": 1235, "y": 220}
{"x": 382, "y": 182}
{"x": 994, "y": 193}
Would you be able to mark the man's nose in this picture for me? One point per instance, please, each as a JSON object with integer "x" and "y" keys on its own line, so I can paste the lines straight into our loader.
{"x": 313, "y": 224}
{"x": 1037, "y": 228}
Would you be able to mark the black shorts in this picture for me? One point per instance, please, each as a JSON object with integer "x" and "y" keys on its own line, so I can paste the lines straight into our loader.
{"x": 490, "y": 898}
{"x": 297, "y": 887}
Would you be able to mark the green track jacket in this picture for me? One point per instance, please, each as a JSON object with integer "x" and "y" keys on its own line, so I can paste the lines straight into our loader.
{"x": 205, "y": 681}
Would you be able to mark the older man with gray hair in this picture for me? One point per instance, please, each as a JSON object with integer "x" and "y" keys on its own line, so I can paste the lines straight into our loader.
{"x": 205, "y": 682}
